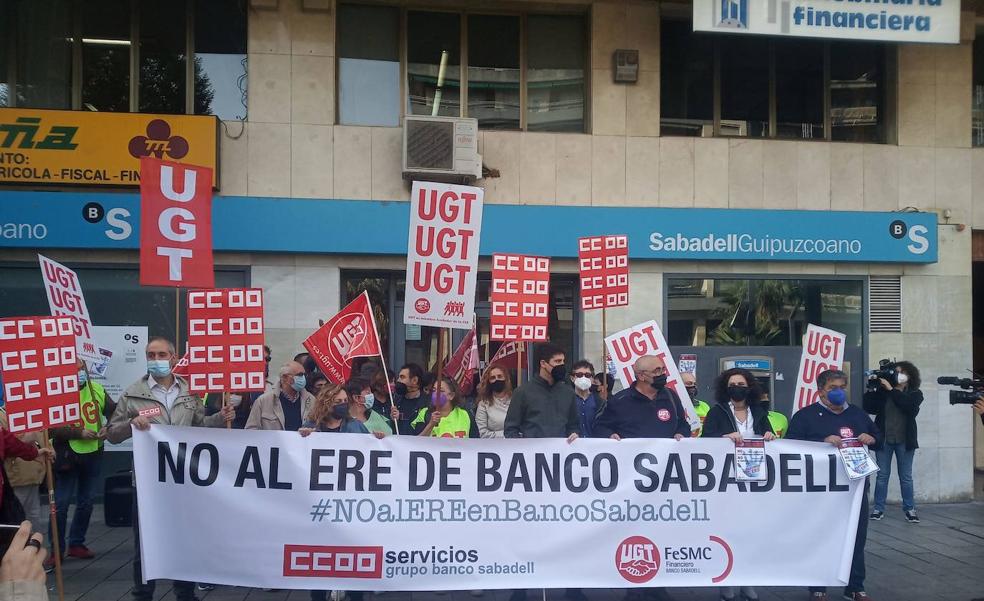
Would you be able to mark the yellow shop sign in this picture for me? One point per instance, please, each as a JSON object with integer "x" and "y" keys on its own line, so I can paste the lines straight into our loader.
{"x": 102, "y": 149}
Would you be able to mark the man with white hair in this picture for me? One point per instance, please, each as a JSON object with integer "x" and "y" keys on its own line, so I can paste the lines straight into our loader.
{"x": 285, "y": 407}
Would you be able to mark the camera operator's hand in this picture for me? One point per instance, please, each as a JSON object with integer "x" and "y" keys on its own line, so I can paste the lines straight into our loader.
{"x": 885, "y": 384}
{"x": 979, "y": 406}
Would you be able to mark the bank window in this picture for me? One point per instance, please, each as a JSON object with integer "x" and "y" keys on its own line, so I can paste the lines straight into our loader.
{"x": 125, "y": 55}
{"x": 761, "y": 312}
{"x": 368, "y": 65}
{"x": 752, "y": 86}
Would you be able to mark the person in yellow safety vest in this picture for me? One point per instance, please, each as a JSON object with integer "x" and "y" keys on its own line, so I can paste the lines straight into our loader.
{"x": 778, "y": 421}
{"x": 690, "y": 383}
{"x": 78, "y": 459}
{"x": 445, "y": 417}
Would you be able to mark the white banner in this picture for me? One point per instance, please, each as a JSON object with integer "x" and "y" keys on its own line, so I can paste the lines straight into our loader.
{"x": 350, "y": 512}
{"x": 643, "y": 339}
{"x": 823, "y": 349}
{"x": 925, "y": 21}
{"x": 442, "y": 255}
{"x": 122, "y": 362}
{"x": 65, "y": 298}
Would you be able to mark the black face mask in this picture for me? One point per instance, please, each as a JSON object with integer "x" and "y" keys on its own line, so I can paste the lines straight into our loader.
{"x": 497, "y": 386}
{"x": 400, "y": 388}
{"x": 558, "y": 373}
{"x": 340, "y": 411}
{"x": 659, "y": 382}
{"x": 737, "y": 393}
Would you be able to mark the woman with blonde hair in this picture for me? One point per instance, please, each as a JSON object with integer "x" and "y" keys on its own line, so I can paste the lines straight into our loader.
{"x": 494, "y": 393}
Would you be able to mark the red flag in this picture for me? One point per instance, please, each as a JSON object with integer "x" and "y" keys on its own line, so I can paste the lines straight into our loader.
{"x": 349, "y": 334}
{"x": 506, "y": 355}
{"x": 603, "y": 262}
{"x": 175, "y": 225}
{"x": 181, "y": 367}
{"x": 463, "y": 364}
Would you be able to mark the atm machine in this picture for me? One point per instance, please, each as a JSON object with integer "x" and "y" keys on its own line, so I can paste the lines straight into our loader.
{"x": 761, "y": 366}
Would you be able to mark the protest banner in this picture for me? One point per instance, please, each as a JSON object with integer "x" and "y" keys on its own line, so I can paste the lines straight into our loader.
{"x": 175, "y": 225}
{"x": 40, "y": 377}
{"x": 643, "y": 339}
{"x": 442, "y": 255}
{"x": 349, "y": 334}
{"x": 823, "y": 349}
{"x": 65, "y": 297}
{"x": 519, "y": 298}
{"x": 405, "y": 513}
{"x": 463, "y": 364}
{"x": 603, "y": 263}
{"x": 225, "y": 340}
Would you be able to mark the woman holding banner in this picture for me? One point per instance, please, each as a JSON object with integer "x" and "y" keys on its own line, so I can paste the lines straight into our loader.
{"x": 445, "y": 418}
{"x": 330, "y": 413}
{"x": 494, "y": 394}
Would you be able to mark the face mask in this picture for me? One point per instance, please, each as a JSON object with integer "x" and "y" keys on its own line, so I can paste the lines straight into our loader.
{"x": 692, "y": 391}
{"x": 737, "y": 393}
{"x": 659, "y": 382}
{"x": 558, "y": 372}
{"x": 159, "y": 368}
{"x": 837, "y": 396}
{"x": 83, "y": 377}
{"x": 299, "y": 383}
{"x": 400, "y": 388}
{"x": 901, "y": 378}
{"x": 582, "y": 383}
{"x": 369, "y": 400}
{"x": 340, "y": 411}
{"x": 440, "y": 399}
{"x": 497, "y": 386}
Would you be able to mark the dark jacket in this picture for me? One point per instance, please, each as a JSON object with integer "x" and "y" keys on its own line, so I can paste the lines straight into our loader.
{"x": 906, "y": 401}
{"x": 542, "y": 410}
{"x": 721, "y": 422}
{"x": 631, "y": 414}
{"x": 409, "y": 408}
{"x": 816, "y": 422}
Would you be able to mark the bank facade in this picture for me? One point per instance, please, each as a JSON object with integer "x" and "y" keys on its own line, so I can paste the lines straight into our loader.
{"x": 764, "y": 181}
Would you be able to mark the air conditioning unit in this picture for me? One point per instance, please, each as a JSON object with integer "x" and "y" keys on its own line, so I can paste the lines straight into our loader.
{"x": 441, "y": 149}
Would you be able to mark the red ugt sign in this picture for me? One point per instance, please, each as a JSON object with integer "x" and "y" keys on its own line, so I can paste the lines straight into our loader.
{"x": 40, "y": 380}
{"x": 604, "y": 266}
{"x": 520, "y": 297}
{"x": 225, "y": 340}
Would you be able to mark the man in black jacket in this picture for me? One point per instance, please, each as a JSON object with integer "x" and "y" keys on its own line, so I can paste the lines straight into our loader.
{"x": 647, "y": 409}
{"x": 895, "y": 406}
{"x": 544, "y": 407}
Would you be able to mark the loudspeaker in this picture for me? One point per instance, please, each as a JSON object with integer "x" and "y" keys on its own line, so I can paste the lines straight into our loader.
{"x": 118, "y": 500}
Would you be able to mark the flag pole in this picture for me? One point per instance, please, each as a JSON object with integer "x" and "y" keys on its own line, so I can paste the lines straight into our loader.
{"x": 440, "y": 363}
{"x": 177, "y": 319}
{"x": 225, "y": 401}
{"x": 382, "y": 358}
{"x": 604, "y": 349}
{"x": 53, "y": 517}
{"x": 520, "y": 347}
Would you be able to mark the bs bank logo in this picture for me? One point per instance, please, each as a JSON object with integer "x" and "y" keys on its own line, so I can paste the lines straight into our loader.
{"x": 733, "y": 14}
{"x": 918, "y": 243}
{"x": 637, "y": 559}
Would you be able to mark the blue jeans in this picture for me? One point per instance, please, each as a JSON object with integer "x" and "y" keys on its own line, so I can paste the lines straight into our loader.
{"x": 904, "y": 460}
{"x": 80, "y": 482}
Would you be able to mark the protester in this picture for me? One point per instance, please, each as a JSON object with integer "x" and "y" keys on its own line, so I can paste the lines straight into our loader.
{"x": 895, "y": 406}
{"x": 778, "y": 421}
{"x": 286, "y": 407}
{"x": 162, "y": 398}
{"x": 603, "y": 384}
{"x": 701, "y": 407}
{"x": 380, "y": 384}
{"x": 10, "y": 447}
{"x": 24, "y": 476}
{"x": 21, "y": 570}
{"x": 830, "y": 420}
{"x": 647, "y": 409}
{"x": 318, "y": 383}
{"x": 445, "y": 418}
{"x": 738, "y": 413}
{"x": 361, "y": 400}
{"x": 494, "y": 393}
{"x": 78, "y": 464}
{"x": 589, "y": 404}
{"x": 544, "y": 407}
{"x": 408, "y": 397}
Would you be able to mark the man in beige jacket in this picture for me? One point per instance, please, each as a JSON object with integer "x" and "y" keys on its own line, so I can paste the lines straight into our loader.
{"x": 285, "y": 407}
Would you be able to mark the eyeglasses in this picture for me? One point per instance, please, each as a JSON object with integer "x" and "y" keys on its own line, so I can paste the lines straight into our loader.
{"x": 581, "y": 374}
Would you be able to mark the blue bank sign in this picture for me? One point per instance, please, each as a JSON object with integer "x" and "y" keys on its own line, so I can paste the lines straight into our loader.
{"x": 251, "y": 224}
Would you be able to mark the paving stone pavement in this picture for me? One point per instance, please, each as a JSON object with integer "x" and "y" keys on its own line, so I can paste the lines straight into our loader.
{"x": 941, "y": 559}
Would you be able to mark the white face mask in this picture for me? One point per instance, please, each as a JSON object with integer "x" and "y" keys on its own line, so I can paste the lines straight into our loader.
{"x": 582, "y": 383}
{"x": 901, "y": 378}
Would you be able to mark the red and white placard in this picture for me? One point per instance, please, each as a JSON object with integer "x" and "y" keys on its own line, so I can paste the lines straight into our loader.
{"x": 520, "y": 297}
{"x": 823, "y": 349}
{"x": 643, "y": 339}
{"x": 65, "y": 298}
{"x": 225, "y": 340}
{"x": 40, "y": 377}
{"x": 175, "y": 225}
{"x": 442, "y": 255}
{"x": 604, "y": 265}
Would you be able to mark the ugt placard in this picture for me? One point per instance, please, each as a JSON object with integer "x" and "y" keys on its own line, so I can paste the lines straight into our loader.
{"x": 442, "y": 254}
{"x": 65, "y": 298}
{"x": 225, "y": 340}
{"x": 603, "y": 262}
{"x": 520, "y": 297}
{"x": 40, "y": 377}
{"x": 823, "y": 349}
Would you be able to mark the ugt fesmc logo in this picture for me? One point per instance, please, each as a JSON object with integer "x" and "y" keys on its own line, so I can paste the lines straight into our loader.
{"x": 317, "y": 561}
{"x": 348, "y": 333}
{"x": 637, "y": 559}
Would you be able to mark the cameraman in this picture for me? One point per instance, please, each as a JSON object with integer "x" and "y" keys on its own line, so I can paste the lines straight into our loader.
{"x": 979, "y": 408}
{"x": 895, "y": 405}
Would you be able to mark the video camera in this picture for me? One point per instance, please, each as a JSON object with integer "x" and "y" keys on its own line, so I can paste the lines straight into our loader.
{"x": 959, "y": 397}
{"x": 886, "y": 369}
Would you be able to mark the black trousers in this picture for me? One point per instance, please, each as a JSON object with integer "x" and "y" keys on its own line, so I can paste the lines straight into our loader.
{"x": 855, "y": 583}
{"x": 183, "y": 591}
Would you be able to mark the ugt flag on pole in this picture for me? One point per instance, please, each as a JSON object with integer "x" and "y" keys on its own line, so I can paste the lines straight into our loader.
{"x": 349, "y": 334}
{"x": 506, "y": 355}
{"x": 463, "y": 364}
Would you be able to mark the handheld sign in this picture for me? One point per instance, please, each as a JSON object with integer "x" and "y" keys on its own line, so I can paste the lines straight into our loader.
{"x": 442, "y": 255}
{"x": 38, "y": 368}
{"x": 65, "y": 298}
{"x": 519, "y": 297}
{"x": 823, "y": 349}
{"x": 225, "y": 340}
{"x": 603, "y": 262}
